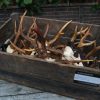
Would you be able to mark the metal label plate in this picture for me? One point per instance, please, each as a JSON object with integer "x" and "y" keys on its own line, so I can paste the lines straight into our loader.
{"x": 87, "y": 78}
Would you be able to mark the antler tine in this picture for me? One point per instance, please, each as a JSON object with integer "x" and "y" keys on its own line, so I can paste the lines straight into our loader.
{"x": 17, "y": 48}
{"x": 46, "y": 31}
{"x": 31, "y": 27}
{"x": 92, "y": 52}
{"x": 66, "y": 24}
{"x": 82, "y": 31}
{"x": 59, "y": 33}
{"x": 21, "y": 22}
{"x": 74, "y": 35}
{"x": 15, "y": 28}
{"x": 30, "y": 39}
{"x": 29, "y": 50}
{"x": 20, "y": 28}
{"x": 81, "y": 43}
{"x": 54, "y": 39}
{"x": 22, "y": 51}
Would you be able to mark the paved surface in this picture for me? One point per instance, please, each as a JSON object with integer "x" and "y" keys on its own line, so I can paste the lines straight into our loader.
{"x": 11, "y": 91}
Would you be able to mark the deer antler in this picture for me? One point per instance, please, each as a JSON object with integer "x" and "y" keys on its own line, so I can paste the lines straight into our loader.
{"x": 15, "y": 28}
{"x": 76, "y": 33}
{"x": 82, "y": 31}
{"x": 59, "y": 33}
{"x": 46, "y": 31}
{"x": 17, "y": 48}
{"x": 20, "y": 28}
{"x": 82, "y": 44}
{"x": 92, "y": 52}
{"x": 31, "y": 27}
{"x": 66, "y": 24}
{"x": 28, "y": 38}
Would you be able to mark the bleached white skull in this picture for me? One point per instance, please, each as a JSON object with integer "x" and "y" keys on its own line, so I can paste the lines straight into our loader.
{"x": 68, "y": 54}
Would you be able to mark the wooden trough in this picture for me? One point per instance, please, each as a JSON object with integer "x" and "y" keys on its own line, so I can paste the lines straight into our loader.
{"x": 54, "y": 77}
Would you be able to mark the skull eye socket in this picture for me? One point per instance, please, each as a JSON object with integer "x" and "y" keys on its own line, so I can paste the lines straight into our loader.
{"x": 76, "y": 54}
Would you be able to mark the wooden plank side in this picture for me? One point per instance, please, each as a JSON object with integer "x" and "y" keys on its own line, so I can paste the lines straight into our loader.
{"x": 22, "y": 65}
{"x": 30, "y": 78}
{"x": 32, "y": 67}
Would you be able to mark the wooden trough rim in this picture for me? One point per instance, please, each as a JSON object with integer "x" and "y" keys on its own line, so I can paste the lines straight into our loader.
{"x": 59, "y": 20}
{"x": 28, "y": 57}
{"x": 44, "y": 18}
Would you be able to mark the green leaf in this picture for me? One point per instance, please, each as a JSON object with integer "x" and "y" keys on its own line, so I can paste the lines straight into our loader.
{"x": 1, "y": 4}
{"x": 17, "y": 1}
{"x": 6, "y": 2}
{"x": 27, "y": 2}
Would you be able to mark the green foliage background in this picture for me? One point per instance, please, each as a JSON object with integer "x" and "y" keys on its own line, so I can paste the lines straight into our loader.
{"x": 35, "y": 5}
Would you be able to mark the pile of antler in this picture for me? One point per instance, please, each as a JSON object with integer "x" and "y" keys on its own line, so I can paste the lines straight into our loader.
{"x": 35, "y": 43}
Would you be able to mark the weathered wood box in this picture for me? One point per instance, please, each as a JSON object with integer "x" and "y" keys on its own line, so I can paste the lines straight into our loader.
{"x": 52, "y": 77}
